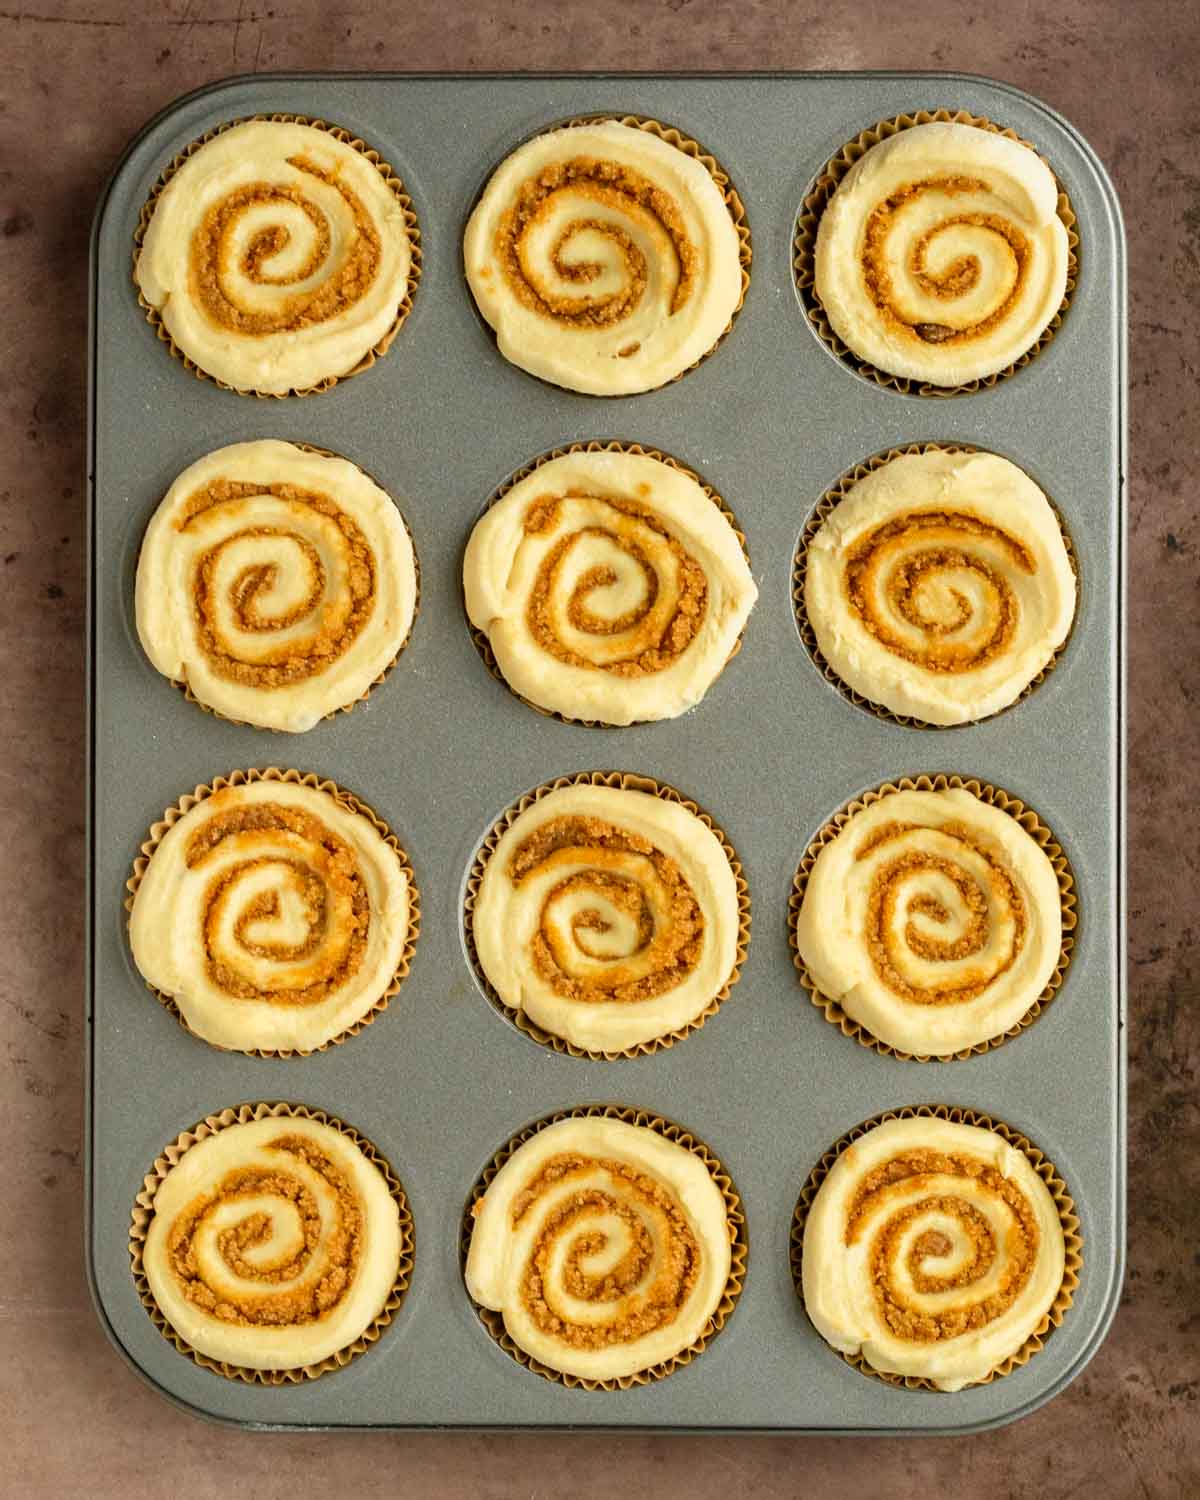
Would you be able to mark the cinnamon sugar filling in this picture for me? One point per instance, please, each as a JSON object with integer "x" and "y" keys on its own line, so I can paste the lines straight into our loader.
{"x": 214, "y": 265}
{"x": 323, "y": 885}
{"x": 643, "y": 1290}
{"x": 960, "y": 277}
{"x": 622, "y": 871}
{"x": 906, "y": 1173}
{"x": 902, "y": 560}
{"x": 610, "y": 186}
{"x": 336, "y": 622}
{"x": 298, "y": 1288}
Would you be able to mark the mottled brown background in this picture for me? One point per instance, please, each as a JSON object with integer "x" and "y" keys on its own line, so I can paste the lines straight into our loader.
{"x": 77, "y": 78}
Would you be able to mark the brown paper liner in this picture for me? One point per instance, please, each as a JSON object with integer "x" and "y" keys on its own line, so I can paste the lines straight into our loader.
{"x": 1045, "y": 1169}
{"x": 825, "y": 507}
{"x": 205, "y": 790}
{"x": 733, "y": 202}
{"x": 143, "y": 1213}
{"x": 627, "y": 782}
{"x": 739, "y": 1245}
{"x": 995, "y": 797}
{"x": 342, "y": 708}
{"x": 484, "y": 646}
{"x": 805, "y": 240}
{"x": 390, "y": 176}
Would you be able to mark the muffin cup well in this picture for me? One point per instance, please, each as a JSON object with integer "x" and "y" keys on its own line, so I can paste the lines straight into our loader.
{"x": 484, "y": 646}
{"x": 201, "y": 793}
{"x": 825, "y": 507}
{"x": 1045, "y": 1169}
{"x": 995, "y": 797}
{"x": 625, "y": 781}
{"x": 817, "y": 198}
{"x": 412, "y": 229}
{"x": 143, "y": 1212}
{"x": 493, "y": 1321}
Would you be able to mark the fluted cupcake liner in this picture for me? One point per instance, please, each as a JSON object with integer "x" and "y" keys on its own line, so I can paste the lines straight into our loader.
{"x": 1044, "y": 1168}
{"x": 805, "y": 240}
{"x": 412, "y": 229}
{"x": 143, "y": 1212}
{"x": 625, "y": 781}
{"x": 201, "y": 793}
{"x": 493, "y": 1321}
{"x": 343, "y": 708}
{"x": 825, "y": 507}
{"x": 484, "y": 646}
{"x": 995, "y": 797}
{"x": 733, "y": 202}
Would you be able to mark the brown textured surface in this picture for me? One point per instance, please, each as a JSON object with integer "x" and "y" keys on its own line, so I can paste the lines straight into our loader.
{"x": 84, "y": 75}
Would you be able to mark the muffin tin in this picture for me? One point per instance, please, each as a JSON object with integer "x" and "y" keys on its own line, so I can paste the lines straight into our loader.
{"x": 442, "y": 1081}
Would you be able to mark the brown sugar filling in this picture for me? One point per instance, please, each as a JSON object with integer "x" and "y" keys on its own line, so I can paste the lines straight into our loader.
{"x": 643, "y": 1290}
{"x": 888, "y": 1190}
{"x": 336, "y": 623}
{"x": 657, "y": 637}
{"x": 214, "y": 267}
{"x": 324, "y": 883}
{"x": 619, "y": 868}
{"x": 897, "y": 561}
{"x": 611, "y": 186}
{"x": 960, "y": 277}
{"x": 887, "y": 892}
{"x": 299, "y": 1288}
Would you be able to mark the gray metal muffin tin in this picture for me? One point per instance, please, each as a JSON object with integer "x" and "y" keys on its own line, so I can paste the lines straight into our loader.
{"x": 441, "y": 1081}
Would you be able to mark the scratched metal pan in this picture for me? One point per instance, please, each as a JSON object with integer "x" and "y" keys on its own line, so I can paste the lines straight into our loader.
{"x": 443, "y": 1080}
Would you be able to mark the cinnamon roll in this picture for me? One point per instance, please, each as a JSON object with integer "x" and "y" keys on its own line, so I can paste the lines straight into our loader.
{"x": 933, "y": 919}
{"x": 940, "y": 585}
{"x": 278, "y": 255}
{"x": 273, "y": 1244}
{"x": 608, "y": 916}
{"x": 933, "y": 1250}
{"x": 276, "y": 583}
{"x": 941, "y": 256}
{"x": 605, "y": 1246}
{"x": 274, "y": 914}
{"x": 610, "y": 586}
{"x": 605, "y": 258}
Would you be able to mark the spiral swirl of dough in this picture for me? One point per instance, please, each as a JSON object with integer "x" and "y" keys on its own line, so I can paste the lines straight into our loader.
{"x": 605, "y": 1246}
{"x": 608, "y": 916}
{"x": 610, "y": 587}
{"x": 934, "y": 1249}
{"x": 605, "y": 258}
{"x": 941, "y": 256}
{"x": 933, "y": 919}
{"x": 274, "y": 1243}
{"x": 273, "y": 914}
{"x": 277, "y": 256}
{"x": 940, "y": 586}
{"x": 277, "y": 583}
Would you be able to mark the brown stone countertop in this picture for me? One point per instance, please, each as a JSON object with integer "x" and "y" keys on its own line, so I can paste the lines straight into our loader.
{"x": 79, "y": 77}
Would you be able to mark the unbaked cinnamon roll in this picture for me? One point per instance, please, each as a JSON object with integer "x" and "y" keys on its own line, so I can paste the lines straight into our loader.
{"x": 274, "y": 915}
{"x": 941, "y": 256}
{"x": 605, "y": 1246}
{"x": 610, "y": 586}
{"x": 605, "y": 258}
{"x": 608, "y": 916}
{"x": 933, "y": 1250}
{"x": 276, "y": 583}
{"x": 274, "y": 1244}
{"x": 940, "y": 586}
{"x": 278, "y": 255}
{"x": 933, "y": 919}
